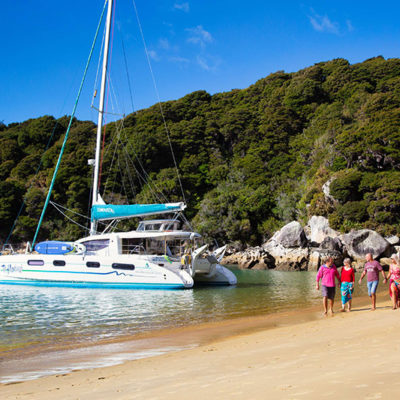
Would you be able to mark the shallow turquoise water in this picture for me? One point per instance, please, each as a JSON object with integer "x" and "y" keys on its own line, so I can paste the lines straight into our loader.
{"x": 32, "y": 317}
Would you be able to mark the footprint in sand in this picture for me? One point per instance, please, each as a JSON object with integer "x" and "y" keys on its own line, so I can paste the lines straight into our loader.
{"x": 374, "y": 396}
{"x": 285, "y": 387}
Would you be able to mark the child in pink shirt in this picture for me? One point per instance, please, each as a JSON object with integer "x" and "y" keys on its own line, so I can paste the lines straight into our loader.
{"x": 328, "y": 272}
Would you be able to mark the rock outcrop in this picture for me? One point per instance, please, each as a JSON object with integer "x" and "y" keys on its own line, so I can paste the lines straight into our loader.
{"x": 326, "y": 190}
{"x": 291, "y": 235}
{"x": 393, "y": 240}
{"x": 290, "y": 259}
{"x": 320, "y": 229}
{"x": 289, "y": 249}
{"x": 330, "y": 243}
{"x": 358, "y": 243}
{"x": 251, "y": 258}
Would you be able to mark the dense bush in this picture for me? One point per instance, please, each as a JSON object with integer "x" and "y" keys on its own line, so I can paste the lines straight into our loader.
{"x": 250, "y": 160}
{"x": 344, "y": 187}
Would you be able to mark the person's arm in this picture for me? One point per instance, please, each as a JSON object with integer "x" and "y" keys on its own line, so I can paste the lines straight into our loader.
{"x": 319, "y": 276}
{"x": 338, "y": 277}
{"x": 362, "y": 276}
{"x": 353, "y": 276}
{"x": 384, "y": 275}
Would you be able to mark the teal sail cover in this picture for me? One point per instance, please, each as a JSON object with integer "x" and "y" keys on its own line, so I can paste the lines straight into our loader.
{"x": 112, "y": 211}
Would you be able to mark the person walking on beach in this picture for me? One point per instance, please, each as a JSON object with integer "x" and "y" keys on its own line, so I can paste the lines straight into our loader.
{"x": 347, "y": 284}
{"x": 394, "y": 280}
{"x": 327, "y": 274}
{"x": 371, "y": 269}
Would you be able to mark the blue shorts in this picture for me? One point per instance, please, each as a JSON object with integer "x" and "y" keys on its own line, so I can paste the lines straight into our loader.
{"x": 372, "y": 286}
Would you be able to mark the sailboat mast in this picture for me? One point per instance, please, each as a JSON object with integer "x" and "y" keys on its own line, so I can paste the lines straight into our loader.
{"x": 93, "y": 225}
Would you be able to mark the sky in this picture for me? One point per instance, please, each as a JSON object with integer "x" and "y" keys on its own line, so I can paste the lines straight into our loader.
{"x": 192, "y": 45}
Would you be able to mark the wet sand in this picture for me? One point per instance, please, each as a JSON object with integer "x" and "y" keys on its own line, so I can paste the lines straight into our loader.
{"x": 304, "y": 355}
{"x": 38, "y": 361}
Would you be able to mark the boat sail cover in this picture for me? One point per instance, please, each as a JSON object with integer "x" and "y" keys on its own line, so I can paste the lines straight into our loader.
{"x": 112, "y": 211}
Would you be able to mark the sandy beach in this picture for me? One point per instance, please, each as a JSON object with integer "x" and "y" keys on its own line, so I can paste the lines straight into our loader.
{"x": 349, "y": 355}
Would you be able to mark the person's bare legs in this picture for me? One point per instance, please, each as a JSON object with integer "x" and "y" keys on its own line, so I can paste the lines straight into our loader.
{"x": 373, "y": 298}
{"x": 394, "y": 295}
{"x": 349, "y": 306}
{"x": 331, "y": 305}
{"x": 325, "y": 304}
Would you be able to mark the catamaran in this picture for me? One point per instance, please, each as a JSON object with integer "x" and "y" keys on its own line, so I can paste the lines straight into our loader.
{"x": 159, "y": 254}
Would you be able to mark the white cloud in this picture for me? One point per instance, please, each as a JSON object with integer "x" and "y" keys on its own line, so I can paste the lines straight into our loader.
{"x": 153, "y": 55}
{"x": 164, "y": 44}
{"x": 179, "y": 60}
{"x": 350, "y": 26}
{"x": 199, "y": 35}
{"x": 182, "y": 6}
{"x": 208, "y": 62}
{"x": 323, "y": 24}
{"x": 203, "y": 63}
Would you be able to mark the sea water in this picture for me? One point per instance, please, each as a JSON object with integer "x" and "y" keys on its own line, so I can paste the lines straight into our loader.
{"x": 37, "y": 322}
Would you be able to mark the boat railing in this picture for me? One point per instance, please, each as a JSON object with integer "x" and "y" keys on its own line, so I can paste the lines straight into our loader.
{"x": 7, "y": 248}
{"x": 133, "y": 249}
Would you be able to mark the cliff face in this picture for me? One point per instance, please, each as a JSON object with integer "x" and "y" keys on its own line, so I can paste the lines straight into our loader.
{"x": 322, "y": 141}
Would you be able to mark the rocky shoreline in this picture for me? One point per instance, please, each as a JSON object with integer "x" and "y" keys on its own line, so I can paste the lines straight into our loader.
{"x": 297, "y": 248}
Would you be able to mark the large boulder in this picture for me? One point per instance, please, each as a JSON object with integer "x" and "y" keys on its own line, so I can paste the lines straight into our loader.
{"x": 393, "y": 240}
{"x": 293, "y": 259}
{"x": 288, "y": 259}
{"x": 320, "y": 229}
{"x": 288, "y": 248}
{"x": 359, "y": 243}
{"x": 291, "y": 235}
{"x": 330, "y": 243}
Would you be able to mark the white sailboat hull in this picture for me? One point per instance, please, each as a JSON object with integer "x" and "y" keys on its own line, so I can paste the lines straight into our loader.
{"x": 150, "y": 257}
{"x": 127, "y": 272}
{"x": 220, "y": 276}
{"x": 207, "y": 270}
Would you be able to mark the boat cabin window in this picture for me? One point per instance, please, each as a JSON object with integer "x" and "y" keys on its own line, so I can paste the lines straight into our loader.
{"x": 93, "y": 264}
{"x": 59, "y": 263}
{"x": 171, "y": 248}
{"x": 95, "y": 245}
{"x": 35, "y": 262}
{"x": 154, "y": 246}
{"x": 176, "y": 247}
{"x": 123, "y": 266}
{"x": 133, "y": 246}
{"x": 149, "y": 227}
{"x": 158, "y": 226}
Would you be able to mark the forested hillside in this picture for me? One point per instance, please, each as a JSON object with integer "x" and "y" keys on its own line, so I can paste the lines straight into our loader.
{"x": 250, "y": 160}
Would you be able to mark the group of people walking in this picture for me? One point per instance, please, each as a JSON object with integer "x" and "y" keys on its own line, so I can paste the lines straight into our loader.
{"x": 328, "y": 274}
